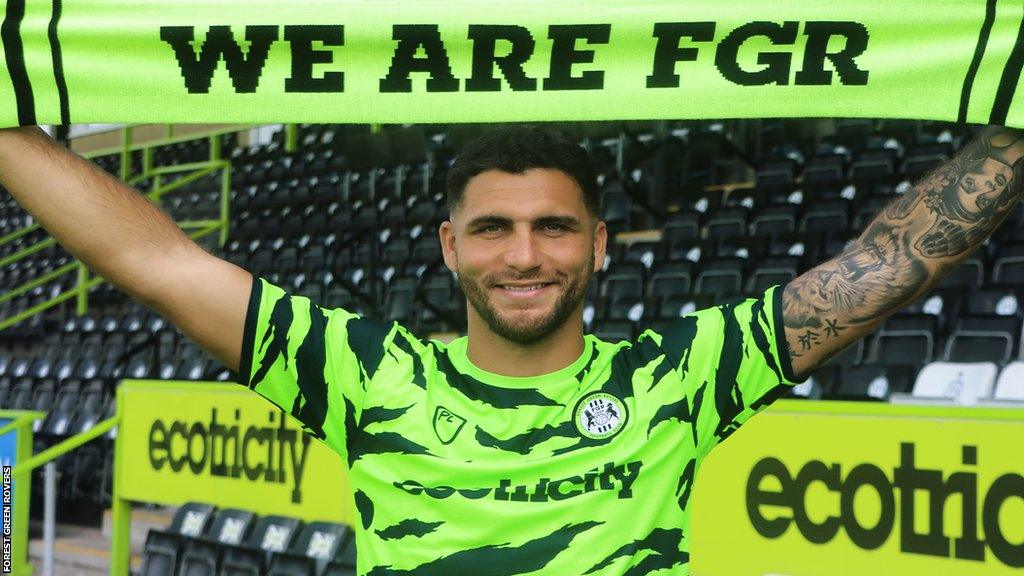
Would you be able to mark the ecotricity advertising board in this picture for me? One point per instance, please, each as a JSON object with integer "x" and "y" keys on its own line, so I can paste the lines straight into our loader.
{"x": 812, "y": 488}
{"x": 225, "y": 445}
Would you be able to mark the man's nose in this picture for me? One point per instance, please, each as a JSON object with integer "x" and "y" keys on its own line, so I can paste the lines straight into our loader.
{"x": 521, "y": 252}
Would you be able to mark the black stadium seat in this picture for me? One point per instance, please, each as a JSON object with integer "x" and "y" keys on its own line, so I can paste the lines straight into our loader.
{"x": 271, "y": 534}
{"x": 905, "y": 339}
{"x": 874, "y": 382}
{"x": 317, "y": 545}
{"x": 201, "y": 556}
{"x": 983, "y": 339}
{"x": 775, "y": 219}
{"x": 162, "y": 549}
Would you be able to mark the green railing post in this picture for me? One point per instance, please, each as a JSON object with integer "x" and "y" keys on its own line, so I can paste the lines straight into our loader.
{"x": 126, "y": 153}
{"x": 291, "y": 138}
{"x": 120, "y": 538}
{"x": 225, "y": 203}
{"x": 22, "y": 421}
{"x": 214, "y": 148}
{"x": 82, "y": 306}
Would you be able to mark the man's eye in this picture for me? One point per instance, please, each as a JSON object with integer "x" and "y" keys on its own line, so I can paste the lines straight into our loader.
{"x": 554, "y": 227}
{"x": 490, "y": 229}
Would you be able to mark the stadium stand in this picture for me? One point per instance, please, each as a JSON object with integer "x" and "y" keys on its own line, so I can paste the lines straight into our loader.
{"x": 353, "y": 225}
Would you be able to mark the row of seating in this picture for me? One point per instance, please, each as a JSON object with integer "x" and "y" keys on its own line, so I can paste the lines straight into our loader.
{"x": 966, "y": 383}
{"x": 205, "y": 541}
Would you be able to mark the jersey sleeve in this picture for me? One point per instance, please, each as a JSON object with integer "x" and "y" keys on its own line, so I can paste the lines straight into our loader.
{"x": 733, "y": 362}
{"x": 309, "y": 361}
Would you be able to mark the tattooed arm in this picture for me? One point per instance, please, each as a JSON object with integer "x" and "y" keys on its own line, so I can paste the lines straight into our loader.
{"x": 908, "y": 248}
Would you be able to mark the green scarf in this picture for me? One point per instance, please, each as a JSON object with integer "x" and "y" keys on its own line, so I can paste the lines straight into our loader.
{"x": 418, "y": 61}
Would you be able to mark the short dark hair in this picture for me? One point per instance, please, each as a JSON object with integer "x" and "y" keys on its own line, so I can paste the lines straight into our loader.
{"x": 518, "y": 148}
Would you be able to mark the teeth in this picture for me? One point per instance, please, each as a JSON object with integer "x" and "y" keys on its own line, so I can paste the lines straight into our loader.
{"x": 524, "y": 288}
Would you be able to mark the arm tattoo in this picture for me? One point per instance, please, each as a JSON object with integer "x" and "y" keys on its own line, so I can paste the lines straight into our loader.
{"x": 918, "y": 238}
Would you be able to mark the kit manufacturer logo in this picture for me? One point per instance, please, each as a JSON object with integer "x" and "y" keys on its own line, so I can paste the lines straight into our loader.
{"x": 447, "y": 424}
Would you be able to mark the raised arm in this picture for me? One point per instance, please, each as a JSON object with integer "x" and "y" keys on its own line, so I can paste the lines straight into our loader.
{"x": 908, "y": 248}
{"x": 128, "y": 240}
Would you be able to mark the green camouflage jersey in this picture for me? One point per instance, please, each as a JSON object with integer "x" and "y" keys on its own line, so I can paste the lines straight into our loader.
{"x": 458, "y": 471}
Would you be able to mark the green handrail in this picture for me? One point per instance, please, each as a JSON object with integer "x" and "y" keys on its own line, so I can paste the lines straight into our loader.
{"x": 195, "y": 170}
{"x": 27, "y": 251}
{"x": 38, "y": 281}
{"x": 66, "y": 446}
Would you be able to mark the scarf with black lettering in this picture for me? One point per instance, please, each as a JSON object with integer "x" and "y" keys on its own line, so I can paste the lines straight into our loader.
{"x": 420, "y": 61}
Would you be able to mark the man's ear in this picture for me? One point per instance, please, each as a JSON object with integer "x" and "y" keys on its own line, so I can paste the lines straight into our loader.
{"x": 446, "y": 232}
{"x": 600, "y": 244}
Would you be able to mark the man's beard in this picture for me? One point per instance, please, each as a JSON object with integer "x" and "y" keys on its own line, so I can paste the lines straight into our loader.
{"x": 566, "y": 303}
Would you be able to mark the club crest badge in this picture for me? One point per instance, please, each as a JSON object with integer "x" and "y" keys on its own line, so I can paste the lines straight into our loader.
{"x": 447, "y": 424}
{"x": 599, "y": 415}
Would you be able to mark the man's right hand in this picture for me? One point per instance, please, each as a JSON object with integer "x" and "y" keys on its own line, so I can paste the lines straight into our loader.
{"x": 128, "y": 240}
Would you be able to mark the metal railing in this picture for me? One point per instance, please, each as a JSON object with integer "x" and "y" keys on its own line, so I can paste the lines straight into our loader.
{"x": 196, "y": 229}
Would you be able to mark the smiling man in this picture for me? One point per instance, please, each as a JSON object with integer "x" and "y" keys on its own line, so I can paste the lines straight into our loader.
{"x": 526, "y": 446}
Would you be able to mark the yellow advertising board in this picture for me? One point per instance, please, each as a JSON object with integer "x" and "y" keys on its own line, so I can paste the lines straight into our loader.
{"x": 816, "y": 488}
{"x": 224, "y": 445}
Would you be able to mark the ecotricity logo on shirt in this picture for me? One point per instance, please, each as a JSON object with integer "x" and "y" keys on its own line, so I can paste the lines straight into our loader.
{"x": 612, "y": 477}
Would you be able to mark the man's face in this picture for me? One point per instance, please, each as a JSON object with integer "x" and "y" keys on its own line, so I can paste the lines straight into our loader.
{"x": 524, "y": 247}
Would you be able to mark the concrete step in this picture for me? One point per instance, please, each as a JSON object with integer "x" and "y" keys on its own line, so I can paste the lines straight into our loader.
{"x": 85, "y": 551}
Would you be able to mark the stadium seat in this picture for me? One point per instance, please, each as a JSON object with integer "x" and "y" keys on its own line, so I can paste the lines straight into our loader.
{"x": 944, "y": 303}
{"x": 613, "y": 330}
{"x": 873, "y": 165}
{"x": 5, "y": 391}
{"x": 727, "y": 222}
{"x": 805, "y": 246}
{"x": 983, "y": 339}
{"x": 271, "y": 534}
{"x": 970, "y": 274}
{"x": 751, "y": 248}
{"x": 771, "y": 271}
{"x": 58, "y": 420}
{"x": 874, "y": 382}
{"x": 826, "y": 217}
{"x": 775, "y": 220}
{"x": 682, "y": 225}
{"x": 401, "y": 298}
{"x": 646, "y": 253}
{"x": 201, "y": 556}
{"x": 751, "y": 198}
{"x": 1010, "y": 385}
{"x": 22, "y": 394}
{"x": 721, "y": 277}
{"x": 995, "y": 301}
{"x": 1009, "y": 265}
{"x": 317, "y": 545}
{"x": 921, "y": 159}
{"x": 866, "y": 211}
{"x": 905, "y": 339}
{"x": 691, "y": 250}
{"x": 161, "y": 552}
{"x": 623, "y": 279}
{"x": 817, "y": 385}
{"x": 963, "y": 382}
{"x": 670, "y": 277}
{"x": 93, "y": 403}
{"x": 776, "y": 174}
